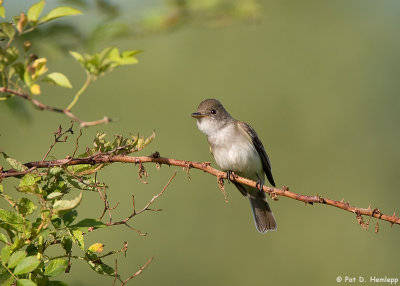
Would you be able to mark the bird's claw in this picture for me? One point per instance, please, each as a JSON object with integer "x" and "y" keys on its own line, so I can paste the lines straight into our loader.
{"x": 259, "y": 186}
{"x": 228, "y": 176}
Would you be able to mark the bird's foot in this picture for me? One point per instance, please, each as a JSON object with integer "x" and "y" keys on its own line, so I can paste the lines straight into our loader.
{"x": 259, "y": 186}
{"x": 228, "y": 175}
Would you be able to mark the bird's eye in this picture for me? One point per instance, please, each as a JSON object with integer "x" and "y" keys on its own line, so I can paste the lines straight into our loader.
{"x": 213, "y": 111}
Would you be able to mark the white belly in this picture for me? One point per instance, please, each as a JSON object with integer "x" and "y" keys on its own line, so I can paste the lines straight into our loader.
{"x": 236, "y": 153}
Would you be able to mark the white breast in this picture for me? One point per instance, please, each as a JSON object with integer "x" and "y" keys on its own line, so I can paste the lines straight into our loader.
{"x": 233, "y": 150}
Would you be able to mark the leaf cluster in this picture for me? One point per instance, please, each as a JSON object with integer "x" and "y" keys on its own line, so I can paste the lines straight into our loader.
{"x": 46, "y": 216}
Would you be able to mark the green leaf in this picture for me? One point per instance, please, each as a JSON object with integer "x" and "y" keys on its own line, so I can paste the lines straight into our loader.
{"x": 32, "y": 249}
{"x": 77, "y": 56}
{"x": 56, "y": 222}
{"x": 15, "y": 258}
{"x": 7, "y": 29}
{"x": 25, "y": 282}
{"x": 78, "y": 235}
{"x": 55, "y": 171}
{"x": 2, "y": 12}
{"x": 13, "y": 219}
{"x": 11, "y": 55}
{"x": 60, "y": 12}
{"x": 55, "y": 267}
{"x": 5, "y": 277}
{"x": 67, "y": 244}
{"x": 58, "y": 79}
{"x": 3, "y": 238}
{"x": 69, "y": 217}
{"x": 64, "y": 205}
{"x": 1, "y": 188}
{"x": 28, "y": 183}
{"x": 5, "y": 254}
{"x": 90, "y": 222}
{"x": 14, "y": 163}
{"x": 102, "y": 268}
{"x": 27, "y": 180}
{"x": 35, "y": 10}
{"x": 25, "y": 206}
{"x": 27, "y": 265}
{"x": 83, "y": 184}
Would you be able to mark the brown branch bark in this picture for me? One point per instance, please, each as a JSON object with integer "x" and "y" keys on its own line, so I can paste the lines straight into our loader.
{"x": 274, "y": 192}
{"x": 65, "y": 111}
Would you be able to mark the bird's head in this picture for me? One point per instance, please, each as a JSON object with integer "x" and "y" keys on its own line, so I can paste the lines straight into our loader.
{"x": 211, "y": 116}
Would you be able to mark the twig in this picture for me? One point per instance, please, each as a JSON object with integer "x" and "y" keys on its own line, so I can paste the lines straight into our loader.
{"x": 284, "y": 192}
{"x": 139, "y": 271}
{"x": 57, "y": 138}
{"x": 65, "y": 111}
{"x": 145, "y": 208}
{"x": 116, "y": 272}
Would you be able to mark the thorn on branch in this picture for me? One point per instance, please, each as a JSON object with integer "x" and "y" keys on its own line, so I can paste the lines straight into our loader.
{"x": 205, "y": 164}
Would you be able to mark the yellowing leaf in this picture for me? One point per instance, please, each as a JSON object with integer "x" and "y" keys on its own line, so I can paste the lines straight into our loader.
{"x": 35, "y": 89}
{"x": 96, "y": 247}
{"x": 14, "y": 163}
{"x": 2, "y": 12}
{"x": 39, "y": 67}
{"x": 60, "y": 12}
{"x": 35, "y": 10}
{"x": 78, "y": 238}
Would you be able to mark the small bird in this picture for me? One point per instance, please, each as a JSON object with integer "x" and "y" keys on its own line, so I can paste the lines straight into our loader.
{"x": 237, "y": 148}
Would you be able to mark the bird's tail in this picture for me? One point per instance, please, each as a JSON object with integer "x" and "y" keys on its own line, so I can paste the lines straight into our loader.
{"x": 263, "y": 216}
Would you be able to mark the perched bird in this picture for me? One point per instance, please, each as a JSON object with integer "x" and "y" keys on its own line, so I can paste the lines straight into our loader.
{"x": 237, "y": 148}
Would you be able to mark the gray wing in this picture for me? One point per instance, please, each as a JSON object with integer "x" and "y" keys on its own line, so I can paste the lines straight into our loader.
{"x": 260, "y": 149}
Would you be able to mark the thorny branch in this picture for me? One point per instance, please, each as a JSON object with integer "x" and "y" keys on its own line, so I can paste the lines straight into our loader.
{"x": 274, "y": 192}
{"x": 65, "y": 111}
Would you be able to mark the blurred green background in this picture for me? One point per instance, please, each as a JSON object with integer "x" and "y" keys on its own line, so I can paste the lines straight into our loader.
{"x": 318, "y": 80}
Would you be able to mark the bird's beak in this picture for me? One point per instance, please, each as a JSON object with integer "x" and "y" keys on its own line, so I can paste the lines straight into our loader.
{"x": 198, "y": 115}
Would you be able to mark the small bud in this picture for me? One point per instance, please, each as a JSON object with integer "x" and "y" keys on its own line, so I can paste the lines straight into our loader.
{"x": 27, "y": 45}
{"x": 21, "y": 22}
